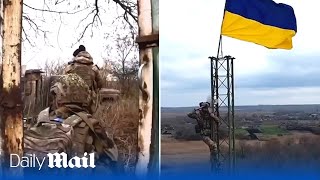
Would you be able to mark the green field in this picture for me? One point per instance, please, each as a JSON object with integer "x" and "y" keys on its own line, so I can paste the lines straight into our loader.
{"x": 267, "y": 131}
{"x": 273, "y": 130}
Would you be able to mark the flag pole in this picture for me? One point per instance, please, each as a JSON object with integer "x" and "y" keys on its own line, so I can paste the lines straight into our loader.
{"x": 220, "y": 37}
{"x": 219, "y": 46}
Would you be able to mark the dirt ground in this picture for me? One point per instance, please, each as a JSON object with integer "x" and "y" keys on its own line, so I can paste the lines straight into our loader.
{"x": 175, "y": 155}
{"x": 178, "y": 154}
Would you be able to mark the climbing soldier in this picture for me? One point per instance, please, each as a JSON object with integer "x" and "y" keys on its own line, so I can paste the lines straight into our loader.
{"x": 205, "y": 119}
{"x": 82, "y": 64}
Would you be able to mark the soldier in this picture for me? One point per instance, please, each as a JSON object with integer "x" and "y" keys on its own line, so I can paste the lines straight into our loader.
{"x": 82, "y": 64}
{"x": 206, "y": 118}
{"x": 75, "y": 130}
{"x": 206, "y": 112}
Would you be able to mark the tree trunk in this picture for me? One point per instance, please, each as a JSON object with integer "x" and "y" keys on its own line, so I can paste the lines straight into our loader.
{"x": 1, "y": 83}
{"x": 11, "y": 119}
{"x": 146, "y": 96}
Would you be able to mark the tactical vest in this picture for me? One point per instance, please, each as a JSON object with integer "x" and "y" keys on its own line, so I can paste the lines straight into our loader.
{"x": 71, "y": 93}
{"x": 86, "y": 73}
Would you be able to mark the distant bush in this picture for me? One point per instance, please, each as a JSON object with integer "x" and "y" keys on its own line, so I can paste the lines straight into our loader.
{"x": 315, "y": 130}
{"x": 186, "y": 132}
{"x": 223, "y": 133}
{"x": 298, "y": 127}
{"x": 174, "y": 121}
{"x": 243, "y": 137}
{"x": 242, "y": 134}
{"x": 302, "y": 151}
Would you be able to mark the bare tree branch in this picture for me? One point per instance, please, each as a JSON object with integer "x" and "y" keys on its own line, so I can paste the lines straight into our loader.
{"x": 94, "y": 19}
{"x": 34, "y": 27}
{"x": 128, "y": 7}
{"x": 58, "y": 2}
{"x": 53, "y": 67}
{"x": 129, "y": 15}
{"x": 53, "y": 11}
{"x": 26, "y": 37}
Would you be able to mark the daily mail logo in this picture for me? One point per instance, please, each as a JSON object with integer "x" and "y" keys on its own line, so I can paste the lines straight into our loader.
{"x": 55, "y": 160}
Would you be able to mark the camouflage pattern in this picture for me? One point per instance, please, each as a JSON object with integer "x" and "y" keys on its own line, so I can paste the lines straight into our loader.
{"x": 83, "y": 65}
{"x": 91, "y": 73}
{"x": 71, "y": 89}
{"x": 68, "y": 127}
{"x": 98, "y": 141}
{"x": 205, "y": 119}
{"x": 48, "y": 137}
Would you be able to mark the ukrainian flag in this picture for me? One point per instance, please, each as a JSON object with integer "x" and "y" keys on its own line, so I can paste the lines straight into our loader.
{"x": 263, "y": 22}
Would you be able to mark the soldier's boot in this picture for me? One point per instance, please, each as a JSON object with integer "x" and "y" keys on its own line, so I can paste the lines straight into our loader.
{"x": 215, "y": 159}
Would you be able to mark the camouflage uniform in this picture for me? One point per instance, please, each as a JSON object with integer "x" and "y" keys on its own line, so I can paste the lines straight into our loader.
{"x": 82, "y": 64}
{"x": 206, "y": 118}
{"x": 68, "y": 127}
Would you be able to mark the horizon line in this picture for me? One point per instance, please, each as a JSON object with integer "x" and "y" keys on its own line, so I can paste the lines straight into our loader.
{"x": 247, "y": 105}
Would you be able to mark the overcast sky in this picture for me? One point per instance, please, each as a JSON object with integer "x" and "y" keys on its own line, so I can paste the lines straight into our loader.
{"x": 189, "y": 34}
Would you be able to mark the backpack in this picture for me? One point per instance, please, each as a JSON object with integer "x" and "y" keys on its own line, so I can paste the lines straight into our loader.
{"x": 74, "y": 135}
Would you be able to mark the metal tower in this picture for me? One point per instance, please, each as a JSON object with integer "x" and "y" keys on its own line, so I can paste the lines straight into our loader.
{"x": 222, "y": 103}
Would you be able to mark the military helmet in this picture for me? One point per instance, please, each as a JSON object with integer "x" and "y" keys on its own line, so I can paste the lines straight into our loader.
{"x": 71, "y": 89}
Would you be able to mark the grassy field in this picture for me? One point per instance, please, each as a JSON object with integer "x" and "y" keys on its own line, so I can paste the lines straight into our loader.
{"x": 121, "y": 121}
{"x": 273, "y": 130}
{"x": 276, "y": 147}
{"x": 240, "y": 132}
{"x": 300, "y": 149}
{"x": 268, "y": 132}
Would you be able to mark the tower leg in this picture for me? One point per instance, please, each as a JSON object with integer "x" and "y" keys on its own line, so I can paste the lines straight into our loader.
{"x": 222, "y": 103}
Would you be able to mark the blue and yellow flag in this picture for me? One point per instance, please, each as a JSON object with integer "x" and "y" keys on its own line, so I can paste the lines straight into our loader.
{"x": 263, "y": 22}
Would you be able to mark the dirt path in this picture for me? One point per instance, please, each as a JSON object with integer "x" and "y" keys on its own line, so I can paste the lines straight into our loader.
{"x": 175, "y": 154}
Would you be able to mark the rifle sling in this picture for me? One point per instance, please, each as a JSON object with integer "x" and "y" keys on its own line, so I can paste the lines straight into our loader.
{"x": 84, "y": 117}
